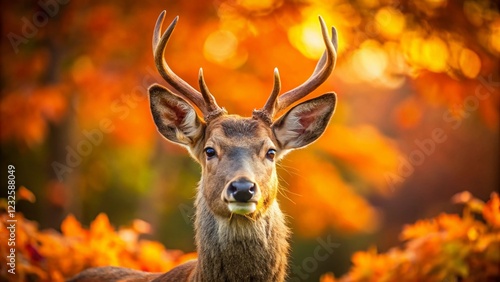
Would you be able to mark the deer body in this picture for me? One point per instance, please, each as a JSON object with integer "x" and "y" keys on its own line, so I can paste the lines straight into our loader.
{"x": 240, "y": 230}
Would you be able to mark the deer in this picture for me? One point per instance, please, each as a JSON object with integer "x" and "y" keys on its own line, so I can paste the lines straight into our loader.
{"x": 240, "y": 232}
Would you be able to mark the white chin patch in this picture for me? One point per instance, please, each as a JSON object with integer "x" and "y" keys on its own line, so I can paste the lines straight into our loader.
{"x": 242, "y": 208}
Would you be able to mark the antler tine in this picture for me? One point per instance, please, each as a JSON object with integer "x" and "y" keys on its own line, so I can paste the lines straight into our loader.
{"x": 267, "y": 112}
{"x": 213, "y": 110}
{"x": 323, "y": 69}
{"x": 207, "y": 106}
{"x": 323, "y": 58}
{"x": 271, "y": 102}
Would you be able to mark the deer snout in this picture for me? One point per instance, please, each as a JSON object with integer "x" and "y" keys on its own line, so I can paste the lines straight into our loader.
{"x": 241, "y": 196}
{"x": 241, "y": 190}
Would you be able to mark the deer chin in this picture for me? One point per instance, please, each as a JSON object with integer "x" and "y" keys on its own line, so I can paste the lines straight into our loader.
{"x": 242, "y": 208}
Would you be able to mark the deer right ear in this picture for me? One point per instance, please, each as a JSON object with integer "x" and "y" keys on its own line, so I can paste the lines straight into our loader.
{"x": 304, "y": 123}
{"x": 175, "y": 118}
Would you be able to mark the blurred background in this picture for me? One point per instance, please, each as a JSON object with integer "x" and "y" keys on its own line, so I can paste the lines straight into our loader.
{"x": 416, "y": 121}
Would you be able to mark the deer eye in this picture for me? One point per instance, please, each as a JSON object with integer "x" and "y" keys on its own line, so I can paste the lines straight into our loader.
{"x": 271, "y": 153}
{"x": 210, "y": 152}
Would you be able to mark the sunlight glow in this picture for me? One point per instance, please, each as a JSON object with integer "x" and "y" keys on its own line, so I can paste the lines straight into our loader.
{"x": 221, "y": 47}
{"x": 495, "y": 36}
{"x": 469, "y": 62}
{"x": 390, "y": 22}
{"x": 258, "y": 5}
{"x": 307, "y": 39}
{"x": 436, "y": 3}
{"x": 372, "y": 59}
{"x": 435, "y": 54}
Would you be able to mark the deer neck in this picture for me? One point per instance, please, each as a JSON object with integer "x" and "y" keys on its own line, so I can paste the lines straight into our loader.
{"x": 241, "y": 249}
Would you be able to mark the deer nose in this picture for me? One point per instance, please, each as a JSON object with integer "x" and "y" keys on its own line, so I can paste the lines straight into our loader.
{"x": 241, "y": 190}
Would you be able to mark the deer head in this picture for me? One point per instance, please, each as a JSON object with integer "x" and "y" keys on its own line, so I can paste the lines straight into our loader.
{"x": 238, "y": 154}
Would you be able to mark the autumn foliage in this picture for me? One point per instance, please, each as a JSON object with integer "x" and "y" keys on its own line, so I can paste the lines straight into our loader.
{"x": 449, "y": 247}
{"x": 48, "y": 255}
{"x": 76, "y": 124}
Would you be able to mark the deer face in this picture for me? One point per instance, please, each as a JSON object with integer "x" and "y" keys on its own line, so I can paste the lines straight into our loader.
{"x": 238, "y": 155}
{"x": 239, "y": 170}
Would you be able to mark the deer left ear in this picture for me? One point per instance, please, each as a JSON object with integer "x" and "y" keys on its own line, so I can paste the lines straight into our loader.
{"x": 304, "y": 123}
{"x": 175, "y": 118}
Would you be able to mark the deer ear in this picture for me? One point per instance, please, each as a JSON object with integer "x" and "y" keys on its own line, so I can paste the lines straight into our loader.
{"x": 304, "y": 123}
{"x": 175, "y": 118}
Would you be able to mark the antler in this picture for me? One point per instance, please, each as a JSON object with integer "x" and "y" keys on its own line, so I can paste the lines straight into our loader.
{"x": 204, "y": 100}
{"x": 323, "y": 69}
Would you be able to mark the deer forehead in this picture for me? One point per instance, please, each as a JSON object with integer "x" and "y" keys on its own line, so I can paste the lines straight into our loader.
{"x": 235, "y": 131}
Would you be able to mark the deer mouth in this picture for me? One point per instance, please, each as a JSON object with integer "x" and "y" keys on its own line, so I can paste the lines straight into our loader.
{"x": 242, "y": 208}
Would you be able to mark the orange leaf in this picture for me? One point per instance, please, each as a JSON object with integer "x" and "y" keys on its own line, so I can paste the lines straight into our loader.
{"x": 71, "y": 227}
{"x": 327, "y": 277}
{"x": 101, "y": 225}
{"x": 491, "y": 211}
{"x": 24, "y": 194}
{"x": 419, "y": 229}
